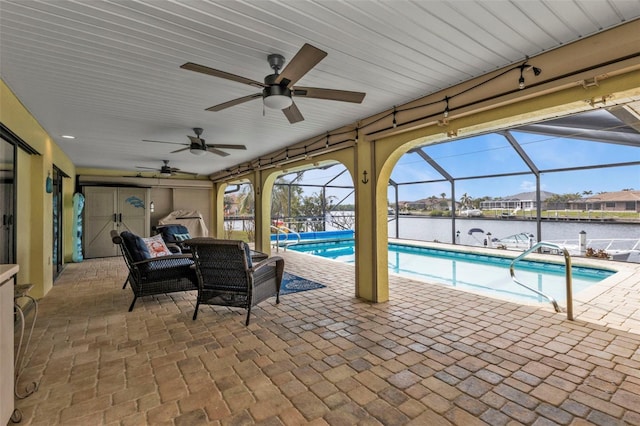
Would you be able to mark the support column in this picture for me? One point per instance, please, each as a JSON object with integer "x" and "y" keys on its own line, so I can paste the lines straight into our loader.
{"x": 372, "y": 275}
{"x": 218, "y": 211}
{"x": 262, "y": 210}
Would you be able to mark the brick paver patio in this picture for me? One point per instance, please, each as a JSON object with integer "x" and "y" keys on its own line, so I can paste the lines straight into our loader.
{"x": 432, "y": 355}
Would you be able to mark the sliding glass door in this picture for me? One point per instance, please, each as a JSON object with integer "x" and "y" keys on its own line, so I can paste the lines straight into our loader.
{"x": 7, "y": 202}
{"x": 56, "y": 258}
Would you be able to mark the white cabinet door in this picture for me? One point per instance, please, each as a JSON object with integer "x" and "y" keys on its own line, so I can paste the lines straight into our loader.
{"x": 108, "y": 208}
{"x": 100, "y": 217}
{"x": 132, "y": 212}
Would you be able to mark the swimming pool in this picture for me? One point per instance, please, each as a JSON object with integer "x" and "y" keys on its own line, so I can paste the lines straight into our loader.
{"x": 470, "y": 271}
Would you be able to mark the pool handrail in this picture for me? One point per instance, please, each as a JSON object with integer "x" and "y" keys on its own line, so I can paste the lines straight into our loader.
{"x": 568, "y": 276}
{"x": 286, "y": 232}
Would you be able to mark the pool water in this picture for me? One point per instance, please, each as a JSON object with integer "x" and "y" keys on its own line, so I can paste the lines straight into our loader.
{"x": 470, "y": 271}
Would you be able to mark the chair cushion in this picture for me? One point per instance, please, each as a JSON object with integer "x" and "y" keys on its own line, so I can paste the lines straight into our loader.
{"x": 135, "y": 246}
{"x": 247, "y": 252}
{"x": 169, "y": 232}
{"x": 156, "y": 246}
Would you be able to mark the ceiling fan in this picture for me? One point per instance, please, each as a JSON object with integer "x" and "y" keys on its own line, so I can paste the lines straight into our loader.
{"x": 198, "y": 145}
{"x": 167, "y": 171}
{"x": 278, "y": 88}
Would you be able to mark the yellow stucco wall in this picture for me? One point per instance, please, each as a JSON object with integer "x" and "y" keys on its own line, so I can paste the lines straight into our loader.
{"x": 34, "y": 206}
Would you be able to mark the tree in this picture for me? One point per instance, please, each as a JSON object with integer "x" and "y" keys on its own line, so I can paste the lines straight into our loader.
{"x": 465, "y": 200}
{"x": 247, "y": 200}
{"x": 443, "y": 202}
{"x": 432, "y": 201}
{"x": 285, "y": 200}
{"x": 314, "y": 206}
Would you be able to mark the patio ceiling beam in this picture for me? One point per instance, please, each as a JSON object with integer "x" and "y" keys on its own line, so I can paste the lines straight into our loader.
{"x": 627, "y": 115}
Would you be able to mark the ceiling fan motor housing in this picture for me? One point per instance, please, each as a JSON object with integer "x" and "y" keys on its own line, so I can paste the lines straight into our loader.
{"x": 276, "y": 90}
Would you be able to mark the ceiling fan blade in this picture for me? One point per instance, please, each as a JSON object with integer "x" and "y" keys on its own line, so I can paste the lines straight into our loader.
{"x": 184, "y": 173}
{"x": 148, "y": 168}
{"x": 223, "y": 146}
{"x": 234, "y": 102}
{"x": 306, "y": 58}
{"x": 179, "y": 150}
{"x": 293, "y": 114}
{"x": 218, "y": 152}
{"x": 217, "y": 73}
{"x": 170, "y": 143}
{"x": 330, "y": 94}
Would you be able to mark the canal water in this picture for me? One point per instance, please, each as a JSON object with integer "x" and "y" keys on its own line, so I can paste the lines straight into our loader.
{"x": 434, "y": 228}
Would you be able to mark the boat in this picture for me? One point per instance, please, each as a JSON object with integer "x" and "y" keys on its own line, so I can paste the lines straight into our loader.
{"x": 474, "y": 231}
{"x": 619, "y": 249}
{"x": 521, "y": 240}
{"x": 467, "y": 212}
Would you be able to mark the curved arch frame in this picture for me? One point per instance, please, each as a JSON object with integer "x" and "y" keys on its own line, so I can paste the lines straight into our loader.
{"x": 371, "y": 160}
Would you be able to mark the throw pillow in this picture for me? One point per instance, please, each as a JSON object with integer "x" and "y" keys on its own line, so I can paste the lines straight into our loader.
{"x": 156, "y": 246}
{"x": 182, "y": 237}
{"x": 135, "y": 246}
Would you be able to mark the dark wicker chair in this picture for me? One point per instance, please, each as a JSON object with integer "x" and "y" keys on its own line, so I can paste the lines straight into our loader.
{"x": 158, "y": 275}
{"x": 228, "y": 277}
{"x": 173, "y": 236}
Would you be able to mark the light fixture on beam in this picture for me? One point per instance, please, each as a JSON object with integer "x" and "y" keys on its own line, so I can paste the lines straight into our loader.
{"x": 526, "y": 67}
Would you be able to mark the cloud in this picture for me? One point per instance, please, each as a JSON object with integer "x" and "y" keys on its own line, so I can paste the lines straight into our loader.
{"x": 529, "y": 186}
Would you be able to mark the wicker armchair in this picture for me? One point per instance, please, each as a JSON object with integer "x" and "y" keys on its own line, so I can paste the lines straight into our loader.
{"x": 174, "y": 236}
{"x": 228, "y": 277}
{"x": 158, "y": 275}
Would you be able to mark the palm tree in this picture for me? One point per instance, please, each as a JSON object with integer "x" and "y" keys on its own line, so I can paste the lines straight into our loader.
{"x": 247, "y": 200}
{"x": 465, "y": 200}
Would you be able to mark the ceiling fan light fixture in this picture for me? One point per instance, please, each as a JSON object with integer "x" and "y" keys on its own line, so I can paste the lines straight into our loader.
{"x": 197, "y": 151}
{"x": 165, "y": 174}
{"x": 277, "y": 97}
{"x": 278, "y": 102}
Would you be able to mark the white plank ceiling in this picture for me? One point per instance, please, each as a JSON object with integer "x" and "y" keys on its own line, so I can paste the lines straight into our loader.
{"x": 108, "y": 72}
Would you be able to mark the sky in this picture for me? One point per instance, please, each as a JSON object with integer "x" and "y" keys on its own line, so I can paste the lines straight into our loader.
{"x": 492, "y": 154}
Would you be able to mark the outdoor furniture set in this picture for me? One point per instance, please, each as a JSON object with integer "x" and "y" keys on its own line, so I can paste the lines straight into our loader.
{"x": 224, "y": 272}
